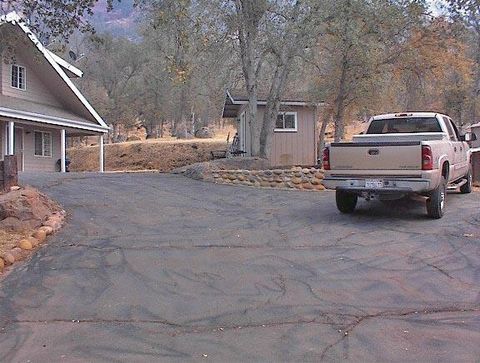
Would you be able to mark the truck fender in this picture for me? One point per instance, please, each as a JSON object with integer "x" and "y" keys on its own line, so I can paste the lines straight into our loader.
{"x": 441, "y": 160}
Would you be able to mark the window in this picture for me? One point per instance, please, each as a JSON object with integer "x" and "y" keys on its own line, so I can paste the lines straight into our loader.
{"x": 286, "y": 121}
{"x": 451, "y": 132}
{"x": 43, "y": 143}
{"x": 404, "y": 125}
{"x": 19, "y": 77}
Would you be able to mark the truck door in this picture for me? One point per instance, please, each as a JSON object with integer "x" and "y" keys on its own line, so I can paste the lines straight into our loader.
{"x": 463, "y": 162}
{"x": 457, "y": 150}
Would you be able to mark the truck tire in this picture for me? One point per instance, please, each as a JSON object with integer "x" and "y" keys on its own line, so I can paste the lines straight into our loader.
{"x": 346, "y": 202}
{"x": 436, "y": 201}
{"x": 468, "y": 186}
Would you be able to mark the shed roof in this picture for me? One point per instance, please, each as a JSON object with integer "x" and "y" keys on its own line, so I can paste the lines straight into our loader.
{"x": 235, "y": 100}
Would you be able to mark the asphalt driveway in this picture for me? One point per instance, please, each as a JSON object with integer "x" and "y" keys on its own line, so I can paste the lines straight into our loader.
{"x": 155, "y": 267}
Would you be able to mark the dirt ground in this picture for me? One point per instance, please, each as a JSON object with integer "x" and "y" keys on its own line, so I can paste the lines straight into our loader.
{"x": 9, "y": 240}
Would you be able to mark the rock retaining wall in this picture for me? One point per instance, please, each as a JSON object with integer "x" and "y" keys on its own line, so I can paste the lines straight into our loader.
{"x": 294, "y": 178}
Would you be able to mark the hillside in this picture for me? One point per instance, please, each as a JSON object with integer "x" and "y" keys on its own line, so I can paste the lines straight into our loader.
{"x": 121, "y": 21}
{"x": 158, "y": 155}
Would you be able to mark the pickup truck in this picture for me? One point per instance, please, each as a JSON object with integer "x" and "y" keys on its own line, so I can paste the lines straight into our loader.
{"x": 400, "y": 154}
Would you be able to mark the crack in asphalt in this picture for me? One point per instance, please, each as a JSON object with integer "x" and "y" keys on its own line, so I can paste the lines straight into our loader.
{"x": 346, "y": 332}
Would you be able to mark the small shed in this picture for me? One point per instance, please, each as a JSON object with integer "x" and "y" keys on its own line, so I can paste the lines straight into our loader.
{"x": 476, "y": 152}
{"x": 295, "y": 134}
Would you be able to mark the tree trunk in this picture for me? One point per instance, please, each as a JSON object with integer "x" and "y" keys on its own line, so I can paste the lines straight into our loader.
{"x": 254, "y": 124}
{"x": 326, "y": 118}
{"x": 273, "y": 107}
{"x": 340, "y": 103}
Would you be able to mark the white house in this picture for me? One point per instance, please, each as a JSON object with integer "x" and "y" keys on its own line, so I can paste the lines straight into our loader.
{"x": 39, "y": 104}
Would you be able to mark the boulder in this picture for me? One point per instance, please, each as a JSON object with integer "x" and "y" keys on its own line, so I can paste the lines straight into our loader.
{"x": 24, "y": 209}
{"x": 204, "y": 133}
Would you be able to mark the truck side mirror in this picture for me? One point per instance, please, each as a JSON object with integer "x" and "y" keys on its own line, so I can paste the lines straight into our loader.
{"x": 468, "y": 137}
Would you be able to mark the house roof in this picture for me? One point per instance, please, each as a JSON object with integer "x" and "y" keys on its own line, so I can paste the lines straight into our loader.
{"x": 235, "y": 100}
{"x": 17, "y": 108}
{"x": 67, "y": 67}
{"x": 59, "y": 65}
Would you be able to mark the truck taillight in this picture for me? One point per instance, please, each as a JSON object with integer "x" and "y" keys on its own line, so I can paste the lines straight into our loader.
{"x": 326, "y": 159}
{"x": 427, "y": 158}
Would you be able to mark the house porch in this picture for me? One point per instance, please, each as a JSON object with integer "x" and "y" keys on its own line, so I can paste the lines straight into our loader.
{"x": 39, "y": 146}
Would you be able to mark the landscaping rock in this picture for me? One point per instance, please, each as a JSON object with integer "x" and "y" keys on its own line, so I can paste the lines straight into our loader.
{"x": 25, "y": 209}
{"x": 25, "y": 244}
{"x": 296, "y": 177}
{"x": 9, "y": 258}
{"x": 47, "y": 229}
{"x": 296, "y": 181}
{"x": 319, "y": 187}
{"x": 2, "y": 264}
{"x": 40, "y": 235}
{"x": 33, "y": 241}
{"x": 307, "y": 186}
{"x": 17, "y": 253}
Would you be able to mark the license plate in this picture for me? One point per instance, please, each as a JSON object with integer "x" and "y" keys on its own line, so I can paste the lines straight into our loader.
{"x": 374, "y": 183}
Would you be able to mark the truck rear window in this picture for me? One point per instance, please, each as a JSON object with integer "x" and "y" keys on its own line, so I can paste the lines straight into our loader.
{"x": 404, "y": 125}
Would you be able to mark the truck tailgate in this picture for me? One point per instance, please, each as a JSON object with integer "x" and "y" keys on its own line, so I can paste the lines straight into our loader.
{"x": 405, "y": 155}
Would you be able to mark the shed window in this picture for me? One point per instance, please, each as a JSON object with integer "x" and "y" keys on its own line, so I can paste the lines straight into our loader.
{"x": 19, "y": 77}
{"x": 43, "y": 143}
{"x": 286, "y": 121}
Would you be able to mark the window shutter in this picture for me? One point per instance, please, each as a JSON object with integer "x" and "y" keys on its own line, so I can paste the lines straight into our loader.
{"x": 14, "y": 76}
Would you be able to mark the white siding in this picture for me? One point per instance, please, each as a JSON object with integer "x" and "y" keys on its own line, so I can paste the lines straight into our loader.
{"x": 35, "y": 91}
{"x": 32, "y": 162}
{"x": 40, "y": 163}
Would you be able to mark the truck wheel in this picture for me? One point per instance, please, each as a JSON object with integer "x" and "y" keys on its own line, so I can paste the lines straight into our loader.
{"x": 346, "y": 202}
{"x": 468, "y": 186}
{"x": 436, "y": 201}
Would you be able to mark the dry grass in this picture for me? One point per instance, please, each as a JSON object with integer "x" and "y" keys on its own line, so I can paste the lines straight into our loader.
{"x": 163, "y": 155}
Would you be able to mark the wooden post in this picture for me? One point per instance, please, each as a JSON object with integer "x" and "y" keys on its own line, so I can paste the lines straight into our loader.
{"x": 100, "y": 143}
{"x": 5, "y": 152}
{"x": 63, "y": 167}
{"x": 10, "y": 172}
{"x": 11, "y": 138}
